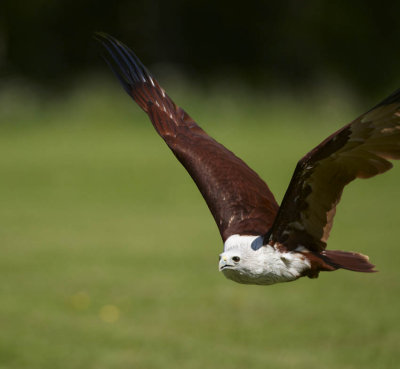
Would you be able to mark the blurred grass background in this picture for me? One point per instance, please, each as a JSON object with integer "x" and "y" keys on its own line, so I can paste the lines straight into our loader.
{"x": 109, "y": 253}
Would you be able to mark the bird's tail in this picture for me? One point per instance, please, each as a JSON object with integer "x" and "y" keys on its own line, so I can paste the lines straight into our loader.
{"x": 348, "y": 260}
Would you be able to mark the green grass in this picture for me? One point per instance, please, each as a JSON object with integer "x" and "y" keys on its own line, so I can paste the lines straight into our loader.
{"x": 95, "y": 211}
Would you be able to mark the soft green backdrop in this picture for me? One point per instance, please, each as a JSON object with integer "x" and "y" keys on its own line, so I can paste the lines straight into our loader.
{"x": 109, "y": 254}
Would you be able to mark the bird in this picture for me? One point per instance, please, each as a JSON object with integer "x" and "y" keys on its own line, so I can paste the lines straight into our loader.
{"x": 264, "y": 243}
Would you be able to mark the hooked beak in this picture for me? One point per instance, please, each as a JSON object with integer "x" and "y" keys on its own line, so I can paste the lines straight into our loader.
{"x": 223, "y": 263}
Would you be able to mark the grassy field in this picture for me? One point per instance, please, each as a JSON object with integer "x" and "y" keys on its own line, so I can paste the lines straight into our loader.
{"x": 109, "y": 254}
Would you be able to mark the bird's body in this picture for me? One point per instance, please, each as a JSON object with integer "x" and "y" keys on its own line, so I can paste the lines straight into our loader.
{"x": 265, "y": 243}
{"x": 260, "y": 264}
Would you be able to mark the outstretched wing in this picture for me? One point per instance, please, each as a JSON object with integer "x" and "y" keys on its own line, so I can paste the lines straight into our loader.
{"x": 238, "y": 198}
{"x": 360, "y": 149}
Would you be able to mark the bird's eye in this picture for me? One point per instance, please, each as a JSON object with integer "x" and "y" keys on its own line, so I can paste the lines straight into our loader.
{"x": 236, "y": 259}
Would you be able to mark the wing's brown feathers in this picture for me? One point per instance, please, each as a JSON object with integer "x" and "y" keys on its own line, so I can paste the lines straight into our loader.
{"x": 238, "y": 198}
{"x": 359, "y": 150}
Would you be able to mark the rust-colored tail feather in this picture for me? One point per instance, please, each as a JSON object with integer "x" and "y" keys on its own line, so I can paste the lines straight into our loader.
{"x": 348, "y": 260}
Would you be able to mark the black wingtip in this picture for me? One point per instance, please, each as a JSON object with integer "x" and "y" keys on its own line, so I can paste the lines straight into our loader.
{"x": 124, "y": 63}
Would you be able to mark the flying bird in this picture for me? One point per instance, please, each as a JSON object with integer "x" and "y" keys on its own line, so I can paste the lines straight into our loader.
{"x": 265, "y": 243}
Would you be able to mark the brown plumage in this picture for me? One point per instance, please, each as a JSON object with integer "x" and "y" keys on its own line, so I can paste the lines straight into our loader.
{"x": 240, "y": 201}
{"x": 238, "y": 198}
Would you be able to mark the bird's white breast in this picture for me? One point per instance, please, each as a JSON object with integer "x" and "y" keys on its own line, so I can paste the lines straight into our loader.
{"x": 263, "y": 264}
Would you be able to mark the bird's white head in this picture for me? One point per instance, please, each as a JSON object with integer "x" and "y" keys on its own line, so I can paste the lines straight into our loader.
{"x": 240, "y": 261}
{"x": 230, "y": 260}
{"x": 239, "y": 265}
